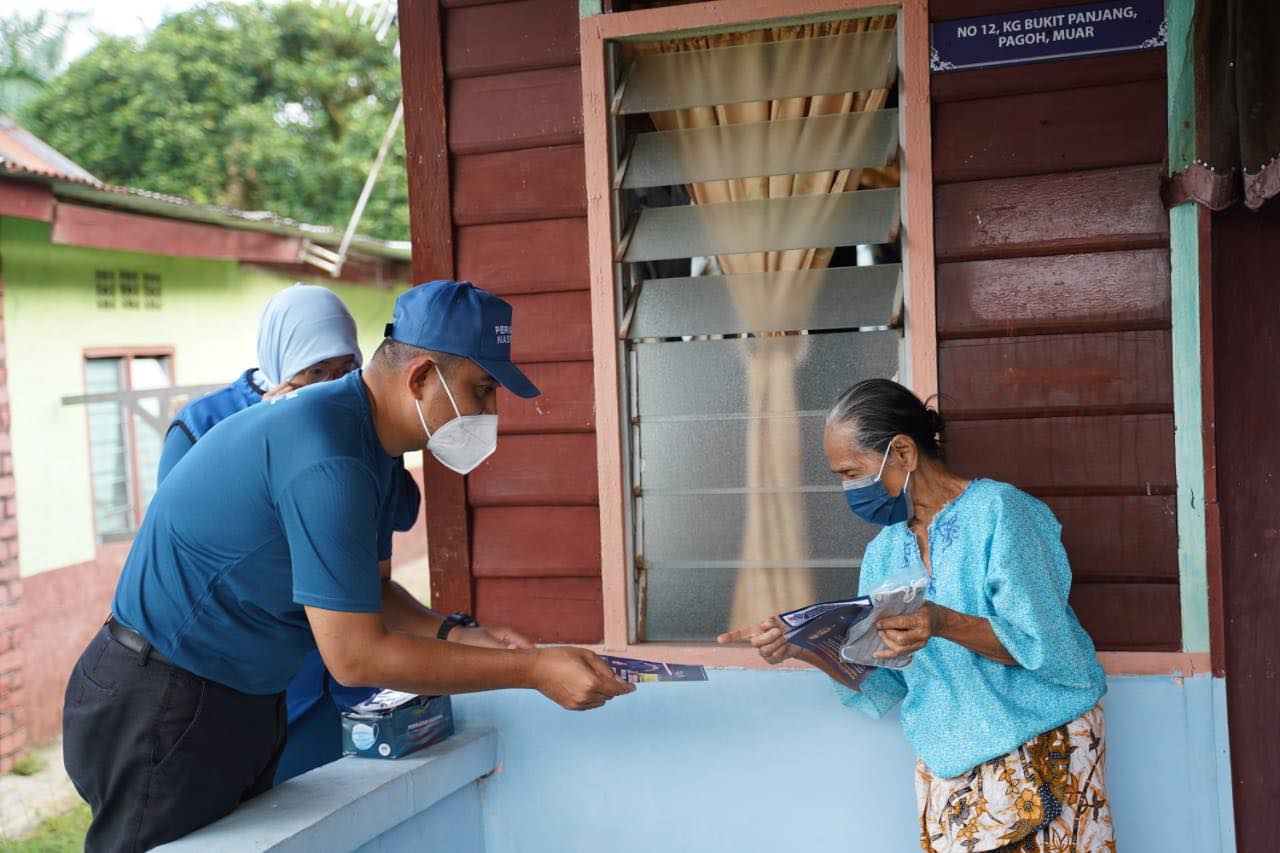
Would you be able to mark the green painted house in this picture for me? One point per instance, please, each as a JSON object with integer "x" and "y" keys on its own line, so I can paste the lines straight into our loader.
{"x": 109, "y": 290}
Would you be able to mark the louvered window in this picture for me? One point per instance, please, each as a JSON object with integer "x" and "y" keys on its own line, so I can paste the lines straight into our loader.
{"x": 124, "y": 450}
{"x": 758, "y": 275}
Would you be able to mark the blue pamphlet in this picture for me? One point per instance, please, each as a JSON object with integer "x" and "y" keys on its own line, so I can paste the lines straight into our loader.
{"x": 820, "y": 629}
{"x": 642, "y": 671}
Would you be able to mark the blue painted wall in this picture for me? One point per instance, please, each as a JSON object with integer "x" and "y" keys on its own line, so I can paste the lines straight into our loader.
{"x": 757, "y": 760}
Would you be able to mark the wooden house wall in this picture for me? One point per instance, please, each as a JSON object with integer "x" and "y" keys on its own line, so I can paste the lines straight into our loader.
{"x": 514, "y": 105}
{"x": 1053, "y": 308}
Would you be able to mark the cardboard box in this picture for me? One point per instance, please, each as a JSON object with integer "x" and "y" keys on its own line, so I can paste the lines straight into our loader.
{"x": 392, "y": 724}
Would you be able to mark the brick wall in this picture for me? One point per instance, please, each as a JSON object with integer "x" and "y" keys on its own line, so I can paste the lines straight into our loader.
{"x": 12, "y": 713}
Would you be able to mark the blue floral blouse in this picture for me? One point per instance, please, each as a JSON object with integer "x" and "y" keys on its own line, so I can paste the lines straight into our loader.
{"x": 996, "y": 552}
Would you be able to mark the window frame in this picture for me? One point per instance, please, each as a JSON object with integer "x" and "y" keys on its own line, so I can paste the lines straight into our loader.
{"x": 126, "y": 354}
{"x": 919, "y": 361}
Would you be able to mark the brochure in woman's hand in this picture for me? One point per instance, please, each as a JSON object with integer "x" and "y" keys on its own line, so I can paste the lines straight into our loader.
{"x": 820, "y": 630}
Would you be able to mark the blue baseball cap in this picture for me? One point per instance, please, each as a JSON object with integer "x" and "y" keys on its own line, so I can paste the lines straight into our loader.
{"x": 461, "y": 319}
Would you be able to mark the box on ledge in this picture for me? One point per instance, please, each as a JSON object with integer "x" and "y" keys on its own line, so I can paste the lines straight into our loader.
{"x": 391, "y": 724}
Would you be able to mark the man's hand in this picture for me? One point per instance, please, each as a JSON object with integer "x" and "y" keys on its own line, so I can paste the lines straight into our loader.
{"x": 575, "y": 678}
{"x": 490, "y": 638}
{"x": 767, "y": 637}
{"x": 905, "y": 635}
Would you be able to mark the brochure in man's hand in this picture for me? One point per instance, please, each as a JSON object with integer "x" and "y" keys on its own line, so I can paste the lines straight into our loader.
{"x": 820, "y": 629}
{"x": 644, "y": 671}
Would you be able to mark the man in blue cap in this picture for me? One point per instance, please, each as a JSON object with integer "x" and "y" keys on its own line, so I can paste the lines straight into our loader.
{"x": 269, "y": 541}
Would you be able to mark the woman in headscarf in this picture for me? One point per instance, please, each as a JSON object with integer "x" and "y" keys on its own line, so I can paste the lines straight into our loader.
{"x": 305, "y": 335}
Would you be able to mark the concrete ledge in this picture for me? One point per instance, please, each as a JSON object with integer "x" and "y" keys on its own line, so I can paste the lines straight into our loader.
{"x": 347, "y": 804}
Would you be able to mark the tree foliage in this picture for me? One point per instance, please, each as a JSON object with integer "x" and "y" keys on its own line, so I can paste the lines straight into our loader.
{"x": 275, "y": 107}
{"x": 31, "y": 50}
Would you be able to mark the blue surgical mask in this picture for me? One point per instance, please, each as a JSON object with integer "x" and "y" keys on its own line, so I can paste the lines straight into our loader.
{"x": 871, "y": 501}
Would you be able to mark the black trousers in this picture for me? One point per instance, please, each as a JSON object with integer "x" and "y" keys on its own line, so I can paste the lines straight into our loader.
{"x": 158, "y": 752}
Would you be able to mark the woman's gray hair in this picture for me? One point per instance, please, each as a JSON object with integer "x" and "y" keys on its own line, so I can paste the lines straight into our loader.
{"x": 878, "y": 409}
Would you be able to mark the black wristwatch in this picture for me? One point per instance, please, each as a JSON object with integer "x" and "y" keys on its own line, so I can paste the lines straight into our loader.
{"x": 466, "y": 620}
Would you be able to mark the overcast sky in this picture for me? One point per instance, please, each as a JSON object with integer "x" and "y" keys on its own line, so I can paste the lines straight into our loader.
{"x": 125, "y": 18}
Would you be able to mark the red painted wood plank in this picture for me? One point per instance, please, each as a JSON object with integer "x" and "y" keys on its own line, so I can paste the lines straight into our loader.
{"x": 1119, "y": 538}
{"x": 551, "y": 326}
{"x": 1052, "y": 214}
{"x": 552, "y": 610}
{"x": 1047, "y": 76}
{"x": 1066, "y": 293}
{"x": 510, "y": 37}
{"x": 519, "y": 186}
{"x": 526, "y": 109}
{"x": 1130, "y": 617}
{"x": 426, "y": 149}
{"x": 26, "y": 200}
{"x": 1106, "y": 455}
{"x": 552, "y": 541}
{"x": 537, "y": 470}
{"x": 77, "y": 225}
{"x": 1111, "y": 372}
{"x": 525, "y": 257}
{"x": 1094, "y": 128}
{"x": 1246, "y": 401}
{"x": 444, "y": 496}
{"x": 566, "y": 404}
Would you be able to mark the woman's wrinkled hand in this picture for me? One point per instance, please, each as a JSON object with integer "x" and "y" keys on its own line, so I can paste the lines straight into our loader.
{"x": 767, "y": 637}
{"x": 905, "y": 635}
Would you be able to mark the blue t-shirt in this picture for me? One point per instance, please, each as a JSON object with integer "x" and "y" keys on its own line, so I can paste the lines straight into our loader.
{"x": 996, "y": 553}
{"x": 285, "y": 504}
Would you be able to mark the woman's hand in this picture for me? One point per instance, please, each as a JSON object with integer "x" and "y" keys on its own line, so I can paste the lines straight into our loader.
{"x": 904, "y": 635}
{"x": 767, "y": 637}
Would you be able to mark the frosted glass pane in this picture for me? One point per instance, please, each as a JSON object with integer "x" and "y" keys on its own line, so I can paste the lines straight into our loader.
{"x": 791, "y": 373}
{"x": 839, "y": 298}
{"x": 712, "y": 454}
{"x": 851, "y": 62}
{"x": 797, "y": 222}
{"x": 816, "y": 144}
{"x": 707, "y": 530}
{"x": 695, "y": 606}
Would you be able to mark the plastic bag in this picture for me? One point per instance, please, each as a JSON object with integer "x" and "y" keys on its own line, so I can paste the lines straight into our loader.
{"x": 900, "y": 594}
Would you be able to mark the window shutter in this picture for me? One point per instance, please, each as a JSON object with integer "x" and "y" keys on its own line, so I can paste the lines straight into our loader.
{"x": 782, "y": 145}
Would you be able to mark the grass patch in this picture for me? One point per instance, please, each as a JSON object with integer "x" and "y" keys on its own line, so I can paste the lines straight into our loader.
{"x": 63, "y": 833}
{"x": 28, "y": 764}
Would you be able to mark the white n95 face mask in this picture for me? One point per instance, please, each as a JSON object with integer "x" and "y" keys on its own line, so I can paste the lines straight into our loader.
{"x": 464, "y": 442}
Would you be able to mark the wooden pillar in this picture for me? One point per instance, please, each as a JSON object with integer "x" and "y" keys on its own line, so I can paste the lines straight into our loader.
{"x": 444, "y": 494}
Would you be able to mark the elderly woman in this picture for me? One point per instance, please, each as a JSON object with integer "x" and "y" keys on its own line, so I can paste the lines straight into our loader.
{"x": 1001, "y": 701}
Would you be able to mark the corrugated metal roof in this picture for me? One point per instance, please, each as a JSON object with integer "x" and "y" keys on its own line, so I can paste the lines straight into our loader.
{"x": 92, "y": 191}
{"x": 19, "y": 145}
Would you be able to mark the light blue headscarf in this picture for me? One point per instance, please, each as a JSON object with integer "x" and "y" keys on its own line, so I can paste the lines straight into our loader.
{"x": 303, "y": 325}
